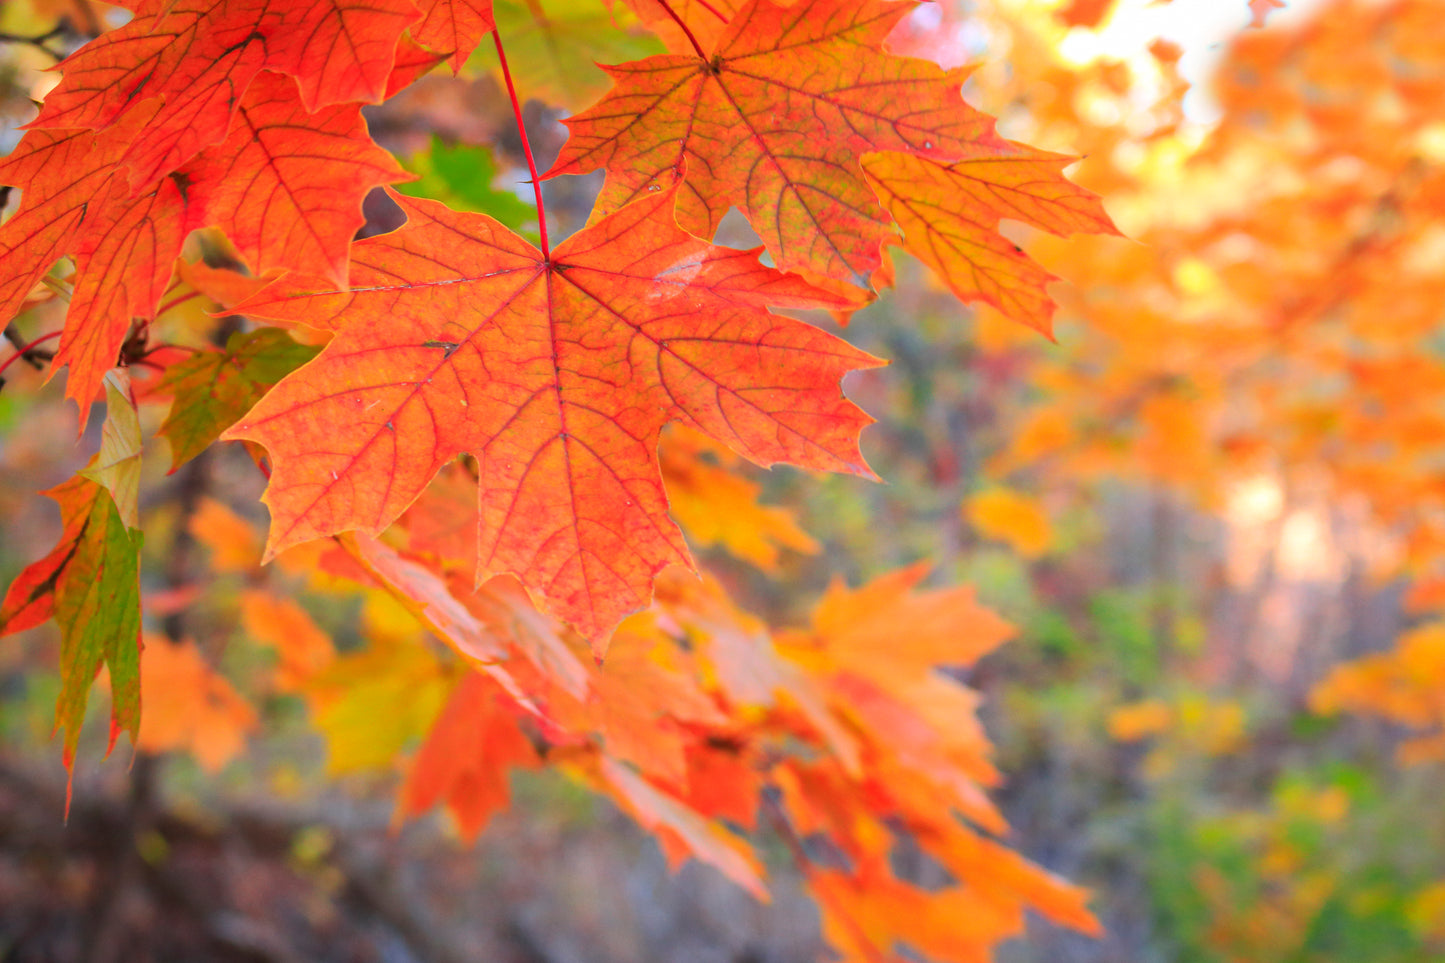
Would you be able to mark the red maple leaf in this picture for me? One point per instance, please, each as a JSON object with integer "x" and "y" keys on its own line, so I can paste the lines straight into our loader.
{"x": 466, "y": 757}
{"x": 286, "y": 185}
{"x": 557, "y": 374}
{"x": 76, "y": 201}
{"x": 198, "y": 57}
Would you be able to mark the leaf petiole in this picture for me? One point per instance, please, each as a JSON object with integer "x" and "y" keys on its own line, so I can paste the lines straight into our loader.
{"x": 685, "y": 29}
{"x": 526, "y": 145}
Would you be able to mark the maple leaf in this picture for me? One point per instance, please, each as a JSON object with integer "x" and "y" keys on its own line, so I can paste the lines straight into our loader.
{"x": 197, "y": 59}
{"x": 90, "y": 585}
{"x": 705, "y": 20}
{"x": 723, "y": 781}
{"x": 412, "y": 62}
{"x": 716, "y": 506}
{"x": 281, "y": 624}
{"x": 234, "y": 545}
{"x": 739, "y": 656}
{"x": 683, "y": 832}
{"x": 453, "y": 27}
{"x": 371, "y": 703}
{"x": 1401, "y": 685}
{"x": 855, "y": 630}
{"x": 555, "y": 46}
{"x": 75, "y": 201}
{"x": 949, "y": 214}
{"x": 875, "y": 651}
{"x": 637, "y": 704}
{"x": 1012, "y": 518}
{"x": 983, "y": 862}
{"x": 441, "y": 530}
{"x": 90, "y": 582}
{"x": 213, "y": 389}
{"x": 425, "y": 594}
{"x": 224, "y": 286}
{"x": 466, "y": 756}
{"x": 558, "y": 375}
{"x": 286, "y": 185}
{"x": 773, "y": 120}
{"x": 117, "y": 465}
{"x": 190, "y": 706}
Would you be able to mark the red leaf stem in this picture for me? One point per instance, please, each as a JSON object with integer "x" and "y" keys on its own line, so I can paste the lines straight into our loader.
{"x": 526, "y": 145}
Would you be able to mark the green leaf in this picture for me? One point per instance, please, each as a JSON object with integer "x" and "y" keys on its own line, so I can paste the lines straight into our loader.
{"x": 90, "y": 585}
{"x": 461, "y": 176}
{"x": 554, "y": 46}
{"x": 213, "y": 389}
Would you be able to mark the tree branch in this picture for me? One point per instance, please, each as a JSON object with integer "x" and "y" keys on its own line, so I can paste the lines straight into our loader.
{"x": 38, "y": 41}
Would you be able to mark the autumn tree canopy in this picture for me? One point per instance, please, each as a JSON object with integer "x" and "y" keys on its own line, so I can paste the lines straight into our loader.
{"x": 464, "y": 425}
{"x": 466, "y": 476}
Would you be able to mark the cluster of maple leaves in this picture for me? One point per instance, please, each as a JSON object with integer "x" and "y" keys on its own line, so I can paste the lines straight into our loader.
{"x": 478, "y": 436}
{"x": 1280, "y": 323}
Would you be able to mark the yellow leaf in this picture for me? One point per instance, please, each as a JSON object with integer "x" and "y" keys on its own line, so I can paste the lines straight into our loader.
{"x": 717, "y": 507}
{"x": 117, "y": 467}
{"x": 1139, "y": 720}
{"x": 1007, "y": 516}
{"x": 1427, "y": 912}
{"x": 371, "y": 704}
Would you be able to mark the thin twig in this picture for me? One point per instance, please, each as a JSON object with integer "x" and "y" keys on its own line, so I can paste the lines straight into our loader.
{"x": 28, "y": 352}
{"x": 38, "y": 41}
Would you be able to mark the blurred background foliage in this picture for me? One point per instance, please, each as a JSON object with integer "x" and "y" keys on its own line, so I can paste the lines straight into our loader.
{"x": 1213, "y": 506}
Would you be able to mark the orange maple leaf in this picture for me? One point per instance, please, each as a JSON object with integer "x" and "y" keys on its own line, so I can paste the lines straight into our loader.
{"x": 287, "y": 183}
{"x": 705, "y": 20}
{"x": 453, "y": 27}
{"x": 681, "y": 831}
{"x": 716, "y": 506}
{"x": 466, "y": 756}
{"x": 773, "y": 120}
{"x": 234, "y": 545}
{"x": 281, "y": 624}
{"x": 639, "y": 704}
{"x": 558, "y": 375}
{"x": 949, "y": 214}
{"x": 190, "y": 706}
